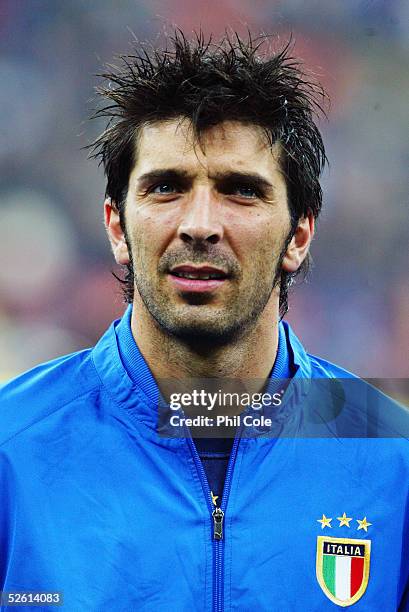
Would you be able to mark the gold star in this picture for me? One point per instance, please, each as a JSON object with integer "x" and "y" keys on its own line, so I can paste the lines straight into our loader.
{"x": 214, "y": 497}
{"x": 325, "y": 522}
{"x": 363, "y": 524}
{"x": 344, "y": 520}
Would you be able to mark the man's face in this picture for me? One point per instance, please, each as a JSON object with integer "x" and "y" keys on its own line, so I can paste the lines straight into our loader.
{"x": 207, "y": 228}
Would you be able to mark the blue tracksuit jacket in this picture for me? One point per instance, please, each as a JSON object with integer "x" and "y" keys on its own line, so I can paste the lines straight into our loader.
{"x": 96, "y": 505}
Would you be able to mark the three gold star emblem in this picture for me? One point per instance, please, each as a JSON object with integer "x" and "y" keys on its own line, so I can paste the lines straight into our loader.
{"x": 344, "y": 520}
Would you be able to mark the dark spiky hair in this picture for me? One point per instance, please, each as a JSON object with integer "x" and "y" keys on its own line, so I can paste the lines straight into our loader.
{"x": 210, "y": 83}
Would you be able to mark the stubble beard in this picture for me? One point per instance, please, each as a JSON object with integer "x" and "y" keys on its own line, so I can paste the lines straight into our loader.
{"x": 198, "y": 323}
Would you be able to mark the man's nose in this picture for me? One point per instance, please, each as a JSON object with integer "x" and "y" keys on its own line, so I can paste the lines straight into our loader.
{"x": 201, "y": 218}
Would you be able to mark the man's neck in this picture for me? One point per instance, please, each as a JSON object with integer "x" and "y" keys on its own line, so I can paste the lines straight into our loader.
{"x": 251, "y": 356}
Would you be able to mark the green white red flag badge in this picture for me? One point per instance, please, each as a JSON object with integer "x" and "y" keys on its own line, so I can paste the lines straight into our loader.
{"x": 343, "y": 568}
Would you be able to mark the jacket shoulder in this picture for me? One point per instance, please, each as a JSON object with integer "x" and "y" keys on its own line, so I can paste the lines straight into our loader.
{"x": 43, "y": 390}
{"x": 361, "y": 407}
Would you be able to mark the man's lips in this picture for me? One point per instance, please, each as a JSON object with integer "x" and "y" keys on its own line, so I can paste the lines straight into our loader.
{"x": 197, "y": 279}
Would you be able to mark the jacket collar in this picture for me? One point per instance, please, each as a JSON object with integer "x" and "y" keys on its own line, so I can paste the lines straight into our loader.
{"x": 140, "y": 400}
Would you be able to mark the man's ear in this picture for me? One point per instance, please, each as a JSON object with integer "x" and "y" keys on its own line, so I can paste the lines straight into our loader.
{"x": 298, "y": 248}
{"x": 115, "y": 233}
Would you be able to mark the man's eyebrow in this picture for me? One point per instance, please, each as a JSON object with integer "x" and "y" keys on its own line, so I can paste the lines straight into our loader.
{"x": 165, "y": 174}
{"x": 248, "y": 178}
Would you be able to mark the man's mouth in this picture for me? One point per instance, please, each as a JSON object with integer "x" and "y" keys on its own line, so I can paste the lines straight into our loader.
{"x": 197, "y": 278}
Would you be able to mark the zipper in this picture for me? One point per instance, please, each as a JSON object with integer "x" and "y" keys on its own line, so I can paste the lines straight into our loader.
{"x": 218, "y": 515}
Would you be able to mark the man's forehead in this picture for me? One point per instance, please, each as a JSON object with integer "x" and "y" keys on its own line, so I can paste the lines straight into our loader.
{"x": 232, "y": 143}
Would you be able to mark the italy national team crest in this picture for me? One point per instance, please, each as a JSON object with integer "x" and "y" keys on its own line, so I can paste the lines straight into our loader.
{"x": 343, "y": 568}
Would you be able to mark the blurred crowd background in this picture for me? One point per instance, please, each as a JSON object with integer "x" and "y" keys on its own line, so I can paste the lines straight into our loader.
{"x": 57, "y": 293}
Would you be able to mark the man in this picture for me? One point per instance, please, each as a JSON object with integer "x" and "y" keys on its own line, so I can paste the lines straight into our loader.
{"x": 212, "y": 160}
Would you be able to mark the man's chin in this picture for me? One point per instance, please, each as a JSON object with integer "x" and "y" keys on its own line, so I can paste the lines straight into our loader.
{"x": 201, "y": 330}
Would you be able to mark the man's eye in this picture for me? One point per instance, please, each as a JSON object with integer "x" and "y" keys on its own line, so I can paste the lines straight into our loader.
{"x": 244, "y": 191}
{"x": 164, "y": 188}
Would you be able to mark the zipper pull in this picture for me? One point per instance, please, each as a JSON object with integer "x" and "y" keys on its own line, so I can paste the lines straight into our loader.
{"x": 218, "y": 516}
